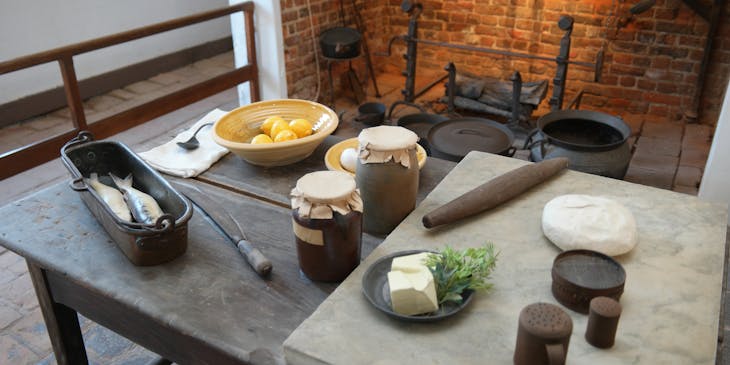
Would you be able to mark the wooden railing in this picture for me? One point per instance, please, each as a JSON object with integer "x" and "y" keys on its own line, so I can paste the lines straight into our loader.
{"x": 21, "y": 159}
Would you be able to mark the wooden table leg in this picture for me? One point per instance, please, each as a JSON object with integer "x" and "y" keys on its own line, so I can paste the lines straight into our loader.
{"x": 62, "y": 322}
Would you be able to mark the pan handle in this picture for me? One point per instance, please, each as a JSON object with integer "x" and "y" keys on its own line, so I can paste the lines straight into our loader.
{"x": 540, "y": 142}
{"x": 78, "y": 184}
{"x": 81, "y": 138}
{"x": 528, "y": 140}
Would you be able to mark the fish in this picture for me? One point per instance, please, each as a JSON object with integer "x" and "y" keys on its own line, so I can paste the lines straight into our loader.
{"x": 144, "y": 207}
{"x": 111, "y": 196}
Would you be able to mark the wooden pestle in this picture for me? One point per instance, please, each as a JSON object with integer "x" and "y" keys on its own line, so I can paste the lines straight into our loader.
{"x": 495, "y": 192}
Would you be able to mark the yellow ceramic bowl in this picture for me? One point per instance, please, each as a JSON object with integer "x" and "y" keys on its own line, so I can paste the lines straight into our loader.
{"x": 235, "y": 130}
{"x": 332, "y": 157}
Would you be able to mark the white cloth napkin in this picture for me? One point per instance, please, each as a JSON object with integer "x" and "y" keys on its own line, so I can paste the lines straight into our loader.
{"x": 175, "y": 160}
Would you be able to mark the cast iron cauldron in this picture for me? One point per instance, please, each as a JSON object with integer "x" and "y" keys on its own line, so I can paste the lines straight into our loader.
{"x": 593, "y": 142}
{"x": 371, "y": 113}
{"x": 340, "y": 42}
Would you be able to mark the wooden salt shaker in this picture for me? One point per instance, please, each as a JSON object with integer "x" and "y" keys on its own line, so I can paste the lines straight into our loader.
{"x": 387, "y": 176}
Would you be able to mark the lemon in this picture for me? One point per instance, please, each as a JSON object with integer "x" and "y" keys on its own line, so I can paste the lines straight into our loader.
{"x": 261, "y": 138}
{"x": 301, "y": 127}
{"x": 269, "y": 122}
{"x": 279, "y": 125}
{"x": 285, "y": 135}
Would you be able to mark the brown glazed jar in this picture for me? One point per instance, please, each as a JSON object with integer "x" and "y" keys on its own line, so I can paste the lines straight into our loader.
{"x": 327, "y": 224}
{"x": 387, "y": 176}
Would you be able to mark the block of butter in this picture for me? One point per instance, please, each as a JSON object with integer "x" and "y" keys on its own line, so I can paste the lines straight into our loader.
{"x": 412, "y": 288}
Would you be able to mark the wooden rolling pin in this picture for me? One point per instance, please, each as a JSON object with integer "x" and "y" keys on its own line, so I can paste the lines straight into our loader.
{"x": 495, "y": 192}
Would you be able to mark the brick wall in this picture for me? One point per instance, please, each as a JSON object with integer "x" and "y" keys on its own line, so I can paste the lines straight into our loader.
{"x": 650, "y": 68}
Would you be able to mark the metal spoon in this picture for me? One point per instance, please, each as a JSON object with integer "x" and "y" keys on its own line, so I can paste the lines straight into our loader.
{"x": 193, "y": 142}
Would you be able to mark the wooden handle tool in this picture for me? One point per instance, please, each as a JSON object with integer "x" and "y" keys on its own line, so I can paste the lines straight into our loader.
{"x": 495, "y": 192}
{"x": 222, "y": 220}
{"x": 260, "y": 264}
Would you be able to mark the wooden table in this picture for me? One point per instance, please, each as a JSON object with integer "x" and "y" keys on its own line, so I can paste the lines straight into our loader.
{"x": 205, "y": 307}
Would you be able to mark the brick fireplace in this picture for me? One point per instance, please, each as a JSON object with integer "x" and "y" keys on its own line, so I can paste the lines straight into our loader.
{"x": 651, "y": 65}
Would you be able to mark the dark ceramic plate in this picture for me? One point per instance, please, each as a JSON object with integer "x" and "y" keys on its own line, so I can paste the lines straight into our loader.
{"x": 376, "y": 290}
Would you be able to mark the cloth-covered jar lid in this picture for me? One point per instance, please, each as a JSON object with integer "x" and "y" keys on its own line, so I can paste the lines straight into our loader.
{"x": 318, "y": 194}
{"x": 386, "y": 143}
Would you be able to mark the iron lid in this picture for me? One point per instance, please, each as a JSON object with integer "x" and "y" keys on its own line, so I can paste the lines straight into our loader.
{"x": 457, "y": 137}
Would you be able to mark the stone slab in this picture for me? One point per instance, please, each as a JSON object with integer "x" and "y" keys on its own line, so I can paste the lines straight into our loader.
{"x": 671, "y": 302}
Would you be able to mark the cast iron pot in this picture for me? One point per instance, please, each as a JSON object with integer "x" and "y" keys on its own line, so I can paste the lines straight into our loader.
{"x": 593, "y": 142}
{"x": 372, "y": 113}
{"x": 421, "y": 123}
{"x": 340, "y": 42}
{"x": 454, "y": 138}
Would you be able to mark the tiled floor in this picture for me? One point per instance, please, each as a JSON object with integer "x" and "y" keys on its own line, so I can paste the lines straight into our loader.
{"x": 667, "y": 156}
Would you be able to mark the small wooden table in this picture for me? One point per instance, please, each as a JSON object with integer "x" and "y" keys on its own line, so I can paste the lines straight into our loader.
{"x": 205, "y": 307}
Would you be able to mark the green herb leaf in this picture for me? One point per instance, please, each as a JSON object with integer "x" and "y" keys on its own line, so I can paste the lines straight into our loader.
{"x": 455, "y": 271}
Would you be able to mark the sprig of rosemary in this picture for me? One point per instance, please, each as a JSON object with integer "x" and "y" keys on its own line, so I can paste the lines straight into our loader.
{"x": 455, "y": 271}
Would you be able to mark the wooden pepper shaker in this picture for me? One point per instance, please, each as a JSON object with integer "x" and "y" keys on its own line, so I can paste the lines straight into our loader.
{"x": 603, "y": 316}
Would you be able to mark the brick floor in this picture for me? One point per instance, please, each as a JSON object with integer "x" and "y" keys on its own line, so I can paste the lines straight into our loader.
{"x": 9, "y": 314}
{"x": 668, "y": 131}
{"x": 657, "y": 146}
{"x": 14, "y": 352}
{"x": 635, "y": 122}
{"x": 667, "y": 155}
{"x": 31, "y": 332}
{"x": 689, "y": 176}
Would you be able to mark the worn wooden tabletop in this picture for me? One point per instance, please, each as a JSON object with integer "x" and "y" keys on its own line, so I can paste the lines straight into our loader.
{"x": 207, "y": 306}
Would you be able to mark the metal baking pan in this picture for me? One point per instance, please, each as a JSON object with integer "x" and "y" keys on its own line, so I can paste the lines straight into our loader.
{"x": 143, "y": 244}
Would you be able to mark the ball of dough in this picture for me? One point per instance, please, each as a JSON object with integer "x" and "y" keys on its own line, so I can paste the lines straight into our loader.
{"x": 589, "y": 222}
